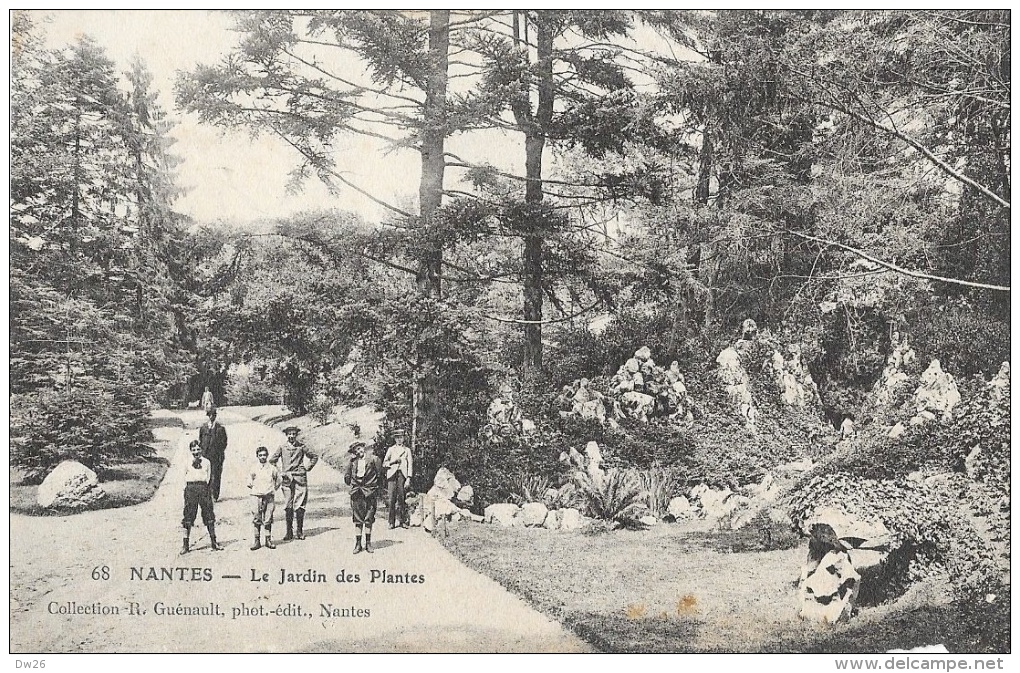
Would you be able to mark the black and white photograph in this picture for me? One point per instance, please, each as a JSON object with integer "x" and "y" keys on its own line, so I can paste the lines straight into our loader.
{"x": 349, "y": 331}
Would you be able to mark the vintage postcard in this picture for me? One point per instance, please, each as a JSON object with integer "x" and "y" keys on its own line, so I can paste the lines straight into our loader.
{"x": 511, "y": 331}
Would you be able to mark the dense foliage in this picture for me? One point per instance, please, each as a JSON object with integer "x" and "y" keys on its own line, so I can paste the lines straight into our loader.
{"x": 96, "y": 299}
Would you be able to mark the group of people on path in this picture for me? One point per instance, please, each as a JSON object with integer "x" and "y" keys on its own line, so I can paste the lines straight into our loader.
{"x": 285, "y": 472}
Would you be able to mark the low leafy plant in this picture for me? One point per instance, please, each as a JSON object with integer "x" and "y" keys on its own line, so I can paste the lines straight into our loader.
{"x": 616, "y": 497}
{"x": 528, "y": 488}
{"x": 659, "y": 485}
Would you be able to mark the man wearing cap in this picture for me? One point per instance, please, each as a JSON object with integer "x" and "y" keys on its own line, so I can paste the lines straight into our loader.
{"x": 399, "y": 468}
{"x": 212, "y": 437}
{"x": 290, "y": 458}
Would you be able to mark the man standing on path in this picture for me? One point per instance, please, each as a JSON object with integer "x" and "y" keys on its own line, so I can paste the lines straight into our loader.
{"x": 399, "y": 468}
{"x": 212, "y": 437}
{"x": 290, "y": 458}
{"x": 207, "y": 400}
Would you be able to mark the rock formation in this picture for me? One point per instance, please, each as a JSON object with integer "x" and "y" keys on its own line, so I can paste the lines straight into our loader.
{"x": 70, "y": 485}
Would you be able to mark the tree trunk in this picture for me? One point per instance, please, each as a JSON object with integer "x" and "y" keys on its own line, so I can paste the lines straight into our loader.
{"x": 702, "y": 192}
{"x": 534, "y": 241}
{"x": 430, "y": 197}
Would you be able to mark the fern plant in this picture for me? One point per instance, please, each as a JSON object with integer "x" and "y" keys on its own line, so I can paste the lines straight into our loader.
{"x": 617, "y": 497}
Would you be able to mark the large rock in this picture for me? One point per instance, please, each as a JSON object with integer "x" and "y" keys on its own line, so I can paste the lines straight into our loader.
{"x": 643, "y": 353}
{"x": 797, "y": 387}
{"x": 534, "y": 514}
{"x": 552, "y": 520}
{"x": 446, "y": 483}
{"x": 893, "y": 377}
{"x": 592, "y": 410}
{"x": 679, "y": 508}
{"x": 465, "y": 495}
{"x": 717, "y": 504}
{"x": 70, "y": 485}
{"x": 638, "y": 405}
{"x": 571, "y": 519}
{"x": 1000, "y": 383}
{"x": 734, "y": 377}
{"x": 852, "y": 533}
{"x": 938, "y": 391}
{"x": 594, "y": 462}
{"x": 502, "y": 513}
{"x": 829, "y": 590}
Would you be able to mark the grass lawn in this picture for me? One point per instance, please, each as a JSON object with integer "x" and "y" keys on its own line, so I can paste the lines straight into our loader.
{"x": 685, "y": 588}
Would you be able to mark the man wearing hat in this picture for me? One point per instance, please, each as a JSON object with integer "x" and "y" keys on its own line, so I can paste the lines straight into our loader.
{"x": 212, "y": 437}
{"x": 290, "y": 458}
{"x": 399, "y": 466}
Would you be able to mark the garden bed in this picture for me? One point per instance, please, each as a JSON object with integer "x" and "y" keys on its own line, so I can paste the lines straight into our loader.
{"x": 125, "y": 484}
{"x": 686, "y": 588}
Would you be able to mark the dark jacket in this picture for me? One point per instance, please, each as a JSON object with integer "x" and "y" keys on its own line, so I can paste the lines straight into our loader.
{"x": 213, "y": 441}
{"x": 368, "y": 484}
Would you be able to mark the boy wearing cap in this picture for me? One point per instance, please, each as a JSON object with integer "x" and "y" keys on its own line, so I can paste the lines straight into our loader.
{"x": 263, "y": 482}
{"x": 290, "y": 458}
{"x": 399, "y": 467}
{"x": 363, "y": 473}
{"x": 198, "y": 494}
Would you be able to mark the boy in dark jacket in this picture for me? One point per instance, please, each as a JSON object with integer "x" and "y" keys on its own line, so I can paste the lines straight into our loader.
{"x": 363, "y": 476}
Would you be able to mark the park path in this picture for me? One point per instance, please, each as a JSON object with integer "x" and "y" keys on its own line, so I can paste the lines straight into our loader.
{"x": 53, "y": 559}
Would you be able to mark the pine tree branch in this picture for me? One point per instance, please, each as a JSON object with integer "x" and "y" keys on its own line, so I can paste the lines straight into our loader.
{"x": 897, "y": 268}
{"x": 917, "y": 145}
{"x": 518, "y": 321}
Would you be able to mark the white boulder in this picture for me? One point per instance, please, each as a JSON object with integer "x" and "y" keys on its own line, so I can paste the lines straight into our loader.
{"x": 938, "y": 391}
{"x": 502, "y": 513}
{"x": 70, "y": 485}
{"x": 571, "y": 519}
{"x": 534, "y": 513}
{"x": 679, "y": 508}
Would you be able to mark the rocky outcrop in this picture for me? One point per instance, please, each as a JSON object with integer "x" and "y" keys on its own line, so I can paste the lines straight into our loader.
{"x": 446, "y": 500}
{"x": 505, "y": 419}
{"x": 70, "y": 485}
{"x": 937, "y": 393}
{"x": 829, "y": 588}
{"x": 797, "y": 387}
{"x": 894, "y": 377}
{"x": 734, "y": 378}
{"x": 640, "y": 390}
{"x": 841, "y": 548}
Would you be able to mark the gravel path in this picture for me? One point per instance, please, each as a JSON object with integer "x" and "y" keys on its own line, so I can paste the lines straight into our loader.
{"x": 53, "y": 559}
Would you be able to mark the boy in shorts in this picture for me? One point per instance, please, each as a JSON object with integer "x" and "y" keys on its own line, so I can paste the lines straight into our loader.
{"x": 263, "y": 482}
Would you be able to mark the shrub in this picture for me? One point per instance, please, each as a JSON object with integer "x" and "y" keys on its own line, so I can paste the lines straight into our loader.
{"x": 251, "y": 390}
{"x": 772, "y": 533}
{"x": 97, "y": 428}
{"x": 965, "y": 341}
{"x": 659, "y": 485}
{"x": 616, "y": 498}
{"x": 528, "y": 488}
{"x": 321, "y": 408}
